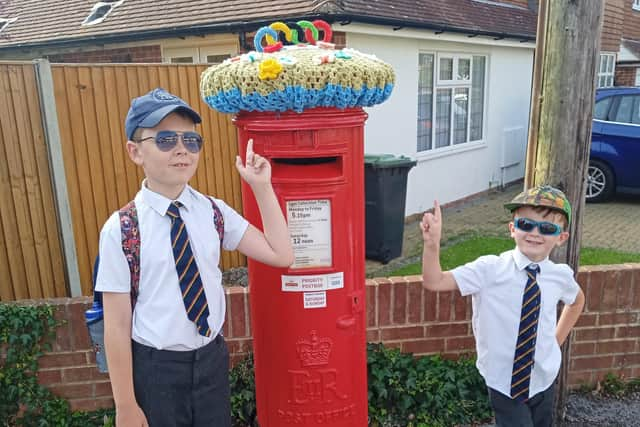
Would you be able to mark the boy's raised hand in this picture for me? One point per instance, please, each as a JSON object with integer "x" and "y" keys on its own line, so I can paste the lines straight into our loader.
{"x": 431, "y": 226}
{"x": 256, "y": 169}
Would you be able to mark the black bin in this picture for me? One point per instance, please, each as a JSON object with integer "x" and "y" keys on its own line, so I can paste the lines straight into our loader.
{"x": 385, "y": 184}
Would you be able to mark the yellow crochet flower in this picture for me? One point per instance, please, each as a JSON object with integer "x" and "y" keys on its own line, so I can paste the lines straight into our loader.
{"x": 270, "y": 68}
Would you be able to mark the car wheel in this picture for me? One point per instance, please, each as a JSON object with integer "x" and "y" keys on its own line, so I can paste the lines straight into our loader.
{"x": 600, "y": 182}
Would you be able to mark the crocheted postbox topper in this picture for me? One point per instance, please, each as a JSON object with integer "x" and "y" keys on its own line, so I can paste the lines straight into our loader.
{"x": 296, "y": 76}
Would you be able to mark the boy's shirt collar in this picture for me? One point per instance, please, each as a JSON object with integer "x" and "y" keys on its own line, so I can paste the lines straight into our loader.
{"x": 522, "y": 261}
{"x": 160, "y": 203}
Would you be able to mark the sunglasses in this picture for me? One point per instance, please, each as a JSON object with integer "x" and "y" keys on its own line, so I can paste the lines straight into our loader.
{"x": 544, "y": 227}
{"x": 167, "y": 139}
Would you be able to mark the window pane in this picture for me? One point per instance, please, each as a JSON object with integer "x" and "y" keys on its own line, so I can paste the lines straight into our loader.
{"x": 443, "y": 117}
{"x": 610, "y": 63}
{"x": 601, "y": 109}
{"x": 477, "y": 98}
{"x": 446, "y": 69}
{"x": 216, "y": 59}
{"x": 623, "y": 115}
{"x": 464, "y": 69}
{"x": 603, "y": 63}
{"x": 460, "y": 114}
{"x": 425, "y": 101}
{"x": 635, "y": 113}
{"x": 182, "y": 60}
{"x": 637, "y": 77}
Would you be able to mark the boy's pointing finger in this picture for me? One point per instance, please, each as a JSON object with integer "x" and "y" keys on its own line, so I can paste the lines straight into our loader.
{"x": 437, "y": 213}
{"x": 249, "y": 156}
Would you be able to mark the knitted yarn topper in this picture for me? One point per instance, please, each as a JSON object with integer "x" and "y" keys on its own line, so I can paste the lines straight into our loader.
{"x": 296, "y": 77}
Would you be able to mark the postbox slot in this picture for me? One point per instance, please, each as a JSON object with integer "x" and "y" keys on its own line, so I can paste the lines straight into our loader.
{"x": 305, "y": 160}
{"x": 307, "y": 167}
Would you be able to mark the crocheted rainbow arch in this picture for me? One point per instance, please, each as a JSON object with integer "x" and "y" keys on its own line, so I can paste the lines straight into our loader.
{"x": 296, "y": 77}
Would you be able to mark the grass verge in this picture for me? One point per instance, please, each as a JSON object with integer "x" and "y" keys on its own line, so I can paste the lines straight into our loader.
{"x": 467, "y": 250}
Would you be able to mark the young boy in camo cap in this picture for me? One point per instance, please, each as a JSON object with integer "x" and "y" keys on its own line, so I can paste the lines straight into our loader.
{"x": 514, "y": 299}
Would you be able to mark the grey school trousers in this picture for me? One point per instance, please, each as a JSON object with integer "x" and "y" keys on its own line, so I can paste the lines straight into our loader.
{"x": 535, "y": 412}
{"x": 183, "y": 388}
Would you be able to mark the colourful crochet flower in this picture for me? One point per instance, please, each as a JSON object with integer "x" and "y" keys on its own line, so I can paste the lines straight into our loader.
{"x": 269, "y": 69}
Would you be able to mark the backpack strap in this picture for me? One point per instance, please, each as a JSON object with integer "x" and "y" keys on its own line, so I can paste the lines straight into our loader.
{"x": 131, "y": 240}
{"x": 131, "y": 246}
{"x": 218, "y": 220}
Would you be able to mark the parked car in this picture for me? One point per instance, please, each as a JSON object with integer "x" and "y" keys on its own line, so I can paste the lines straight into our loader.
{"x": 614, "y": 162}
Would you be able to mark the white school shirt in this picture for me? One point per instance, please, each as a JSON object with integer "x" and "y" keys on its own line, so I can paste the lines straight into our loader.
{"x": 160, "y": 318}
{"x": 496, "y": 285}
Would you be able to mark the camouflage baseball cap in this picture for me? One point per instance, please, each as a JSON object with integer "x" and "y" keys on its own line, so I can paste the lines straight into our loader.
{"x": 543, "y": 195}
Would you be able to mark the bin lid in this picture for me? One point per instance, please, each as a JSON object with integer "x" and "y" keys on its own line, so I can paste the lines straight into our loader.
{"x": 388, "y": 161}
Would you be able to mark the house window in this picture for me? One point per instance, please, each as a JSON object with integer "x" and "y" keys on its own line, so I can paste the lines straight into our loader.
{"x": 193, "y": 55}
{"x": 450, "y": 100}
{"x": 100, "y": 10}
{"x": 637, "y": 82}
{"x": 636, "y": 5}
{"x": 606, "y": 69}
{"x": 4, "y": 22}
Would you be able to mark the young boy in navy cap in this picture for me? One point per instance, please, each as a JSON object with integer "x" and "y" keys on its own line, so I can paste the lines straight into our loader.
{"x": 168, "y": 361}
{"x": 514, "y": 299}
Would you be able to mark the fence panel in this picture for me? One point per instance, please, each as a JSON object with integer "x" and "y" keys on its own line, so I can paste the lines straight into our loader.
{"x": 92, "y": 102}
{"x": 31, "y": 256}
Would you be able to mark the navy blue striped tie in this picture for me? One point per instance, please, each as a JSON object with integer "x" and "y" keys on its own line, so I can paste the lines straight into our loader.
{"x": 526, "y": 344}
{"x": 193, "y": 296}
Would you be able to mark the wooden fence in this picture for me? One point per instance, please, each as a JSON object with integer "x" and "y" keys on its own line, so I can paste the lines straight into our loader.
{"x": 91, "y": 102}
{"x": 31, "y": 257}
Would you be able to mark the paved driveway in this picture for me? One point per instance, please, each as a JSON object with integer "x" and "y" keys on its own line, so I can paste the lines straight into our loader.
{"x": 614, "y": 225}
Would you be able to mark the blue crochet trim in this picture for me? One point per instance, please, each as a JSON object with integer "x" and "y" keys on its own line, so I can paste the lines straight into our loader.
{"x": 298, "y": 98}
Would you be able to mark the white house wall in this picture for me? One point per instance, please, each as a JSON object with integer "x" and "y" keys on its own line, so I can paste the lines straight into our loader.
{"x": 463, "y": 170}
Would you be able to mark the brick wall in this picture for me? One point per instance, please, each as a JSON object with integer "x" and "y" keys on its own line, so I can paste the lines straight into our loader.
{"x": 121, "y": 55}
{"x": 625, "y": 76}
{"x": 631, "y": 27}
{"x": 614, "y": 15}
{"x": 400, "y": 314}
{"x": 340, "y": 39}
{"x": 521, "y": 3}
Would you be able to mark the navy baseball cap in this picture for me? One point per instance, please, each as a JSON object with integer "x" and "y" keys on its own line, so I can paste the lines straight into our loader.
{"x": 148, "y": 110}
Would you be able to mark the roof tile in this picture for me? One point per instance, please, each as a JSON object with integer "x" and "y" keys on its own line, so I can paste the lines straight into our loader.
{"x": 42, "y": 22}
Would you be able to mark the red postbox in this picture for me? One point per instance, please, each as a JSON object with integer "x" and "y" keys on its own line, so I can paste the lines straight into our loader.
{"x": 308, "y": 321}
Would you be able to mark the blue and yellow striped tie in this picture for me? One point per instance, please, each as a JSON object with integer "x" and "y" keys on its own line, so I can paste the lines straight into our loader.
{"x": 526, "y": 344}
{"x": 193, "y": 296}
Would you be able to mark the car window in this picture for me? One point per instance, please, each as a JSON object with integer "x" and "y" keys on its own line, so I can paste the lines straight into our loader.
{"x": 628, "y": 110}
{"x": 601, "y": 109}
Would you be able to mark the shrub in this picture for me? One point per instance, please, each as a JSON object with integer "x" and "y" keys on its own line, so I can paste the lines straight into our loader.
{"x": 25, "y": 333}
{"x": 243, "y": 393}
{"x": 428, "y": 391}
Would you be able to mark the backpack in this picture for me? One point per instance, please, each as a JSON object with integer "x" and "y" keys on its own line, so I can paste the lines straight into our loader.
{"x": 131, "y": 248}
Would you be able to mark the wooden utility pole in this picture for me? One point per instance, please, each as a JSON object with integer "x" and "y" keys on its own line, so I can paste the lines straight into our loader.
{"x": 567, "y": 52}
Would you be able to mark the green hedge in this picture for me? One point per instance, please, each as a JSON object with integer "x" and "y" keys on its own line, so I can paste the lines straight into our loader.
{"x": 403, "y": 390}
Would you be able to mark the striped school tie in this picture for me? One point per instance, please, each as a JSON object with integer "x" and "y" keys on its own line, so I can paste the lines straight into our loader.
{"x": 526, "y": 344}
{"x": 193, "y": 296}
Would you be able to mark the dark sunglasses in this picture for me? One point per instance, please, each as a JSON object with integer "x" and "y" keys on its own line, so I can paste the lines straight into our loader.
{"x": 544, "y": 227}
{"x": 167, "y": 139}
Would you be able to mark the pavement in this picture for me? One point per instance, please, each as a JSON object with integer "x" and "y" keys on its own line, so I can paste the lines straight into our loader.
{"x": 614, "y": 225}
